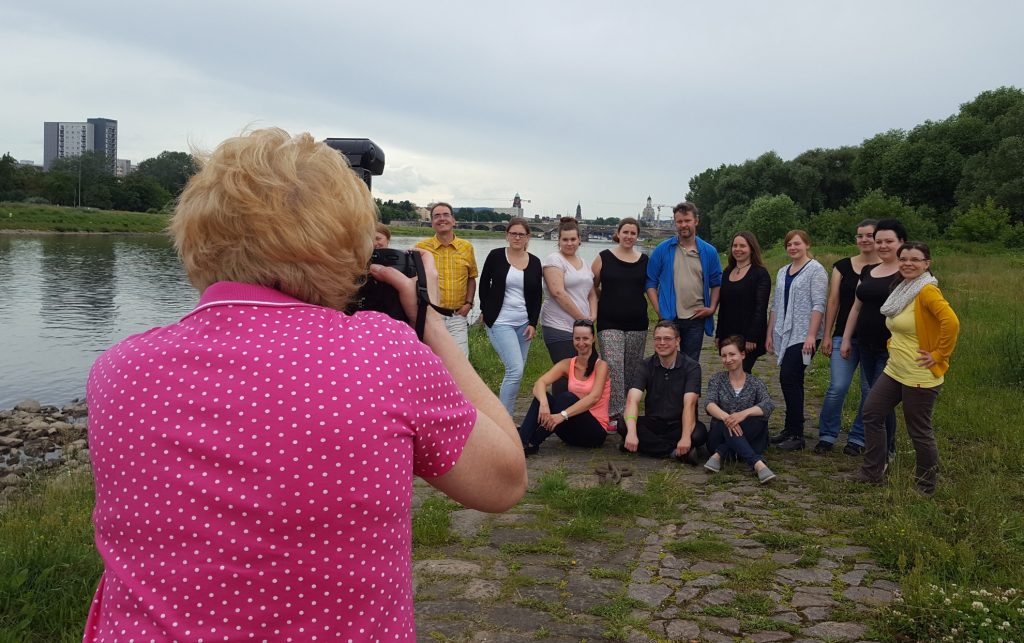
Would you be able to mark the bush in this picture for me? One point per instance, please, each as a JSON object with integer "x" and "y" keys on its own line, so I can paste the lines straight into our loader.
{"x": 770, "y": 218}
{"x": 986, "y": 222}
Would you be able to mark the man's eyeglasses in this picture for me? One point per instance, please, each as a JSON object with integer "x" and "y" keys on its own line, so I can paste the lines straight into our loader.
{"x": 517, "y": 235}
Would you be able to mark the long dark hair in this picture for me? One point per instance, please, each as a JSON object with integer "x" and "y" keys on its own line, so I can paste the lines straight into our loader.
{"x": 592, "y": 362}
{"x": 755, "y": 250}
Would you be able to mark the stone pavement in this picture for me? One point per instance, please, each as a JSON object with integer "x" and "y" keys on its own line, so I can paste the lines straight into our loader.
{"x": 732, "y": 560}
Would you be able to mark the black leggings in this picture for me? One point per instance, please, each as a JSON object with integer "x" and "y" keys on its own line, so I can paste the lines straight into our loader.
{"x": 581, "y": 430}
{"x": 659, "y": 438}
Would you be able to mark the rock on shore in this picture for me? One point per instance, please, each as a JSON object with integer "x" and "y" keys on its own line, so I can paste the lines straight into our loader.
{"x": 34, "y": 436}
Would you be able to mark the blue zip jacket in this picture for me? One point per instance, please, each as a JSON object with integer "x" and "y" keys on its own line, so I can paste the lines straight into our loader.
{"x": 660, "y": 276}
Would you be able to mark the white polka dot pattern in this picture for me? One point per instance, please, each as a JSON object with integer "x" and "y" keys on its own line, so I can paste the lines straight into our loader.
{"x": 253, "y": 467}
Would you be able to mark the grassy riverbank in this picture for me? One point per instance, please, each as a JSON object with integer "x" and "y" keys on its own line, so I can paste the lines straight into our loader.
{"x": 26, "y": 217}
{"x": 970, "y": 537}
{"x": 52, "y": 218}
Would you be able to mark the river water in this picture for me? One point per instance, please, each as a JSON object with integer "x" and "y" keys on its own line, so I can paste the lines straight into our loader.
{"x": 68, "y": 298}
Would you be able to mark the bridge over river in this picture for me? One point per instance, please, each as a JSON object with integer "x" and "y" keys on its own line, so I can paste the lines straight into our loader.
{"x": 547, "y": 229}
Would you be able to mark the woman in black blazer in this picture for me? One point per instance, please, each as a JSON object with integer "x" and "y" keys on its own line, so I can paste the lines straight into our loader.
{"x": 510, "y": 295}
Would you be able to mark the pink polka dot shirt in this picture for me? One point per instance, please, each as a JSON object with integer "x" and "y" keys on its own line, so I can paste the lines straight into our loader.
{"x": 253, "y": 467}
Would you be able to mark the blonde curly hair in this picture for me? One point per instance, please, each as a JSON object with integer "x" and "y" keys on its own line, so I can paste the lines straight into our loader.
{"x": 280, "y": 211}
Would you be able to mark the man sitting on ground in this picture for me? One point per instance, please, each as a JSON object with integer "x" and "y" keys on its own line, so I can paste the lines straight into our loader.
{"x": 669, "y": 426}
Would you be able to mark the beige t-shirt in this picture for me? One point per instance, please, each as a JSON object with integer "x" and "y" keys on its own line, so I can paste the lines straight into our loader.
{"x": 688, "y": 280}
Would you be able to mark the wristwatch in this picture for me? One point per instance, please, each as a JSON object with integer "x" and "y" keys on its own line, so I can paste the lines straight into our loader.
{"x": 565, "y": 414}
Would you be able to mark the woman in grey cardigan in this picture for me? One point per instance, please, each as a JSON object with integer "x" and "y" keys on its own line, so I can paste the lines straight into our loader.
{"x": 795, "y": 330}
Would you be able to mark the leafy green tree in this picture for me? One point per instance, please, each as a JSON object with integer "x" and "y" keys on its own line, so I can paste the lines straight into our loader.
{"x": 999, "y": 174}
{"x": 140, "y": 193}
{"x": 11, "y": 186}
{"x": 171, "y": 170}
{"x": 873, "y": 166}
{"x": 987, "y": 222}
{"x": 771, "y": 217}
{"x": 835, "y": 184}
{"x": 724, "y": 226}
{"x": 878, "y": 205}
{"x": 832, "y": 226}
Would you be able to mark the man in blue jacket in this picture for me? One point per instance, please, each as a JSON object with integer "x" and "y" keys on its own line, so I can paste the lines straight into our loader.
{"x": 683, "y": 277}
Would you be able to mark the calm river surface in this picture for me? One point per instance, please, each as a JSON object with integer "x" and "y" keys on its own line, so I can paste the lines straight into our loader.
{"x": 68, "y": 298}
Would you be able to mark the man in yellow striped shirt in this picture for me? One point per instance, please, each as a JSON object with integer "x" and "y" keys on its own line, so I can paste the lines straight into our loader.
{"x": 456, "y": 271}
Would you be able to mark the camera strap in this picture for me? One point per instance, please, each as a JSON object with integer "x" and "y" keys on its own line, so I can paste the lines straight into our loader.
{"x": 422, "y": 302}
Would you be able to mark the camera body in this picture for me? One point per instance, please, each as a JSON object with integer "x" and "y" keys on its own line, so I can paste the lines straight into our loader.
{"x": 375, "y": 295}
{"x": 364, "y": 157}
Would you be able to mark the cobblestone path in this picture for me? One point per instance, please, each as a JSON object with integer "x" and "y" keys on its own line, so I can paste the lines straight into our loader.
{"x": 728, "y": 560}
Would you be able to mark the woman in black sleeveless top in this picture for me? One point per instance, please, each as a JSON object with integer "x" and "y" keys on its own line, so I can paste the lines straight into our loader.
{"x": 743, "y": 298}
{"x": 842, "y": 293}
{"x": 620, "y": 275}
{"x": 866, "y": 321}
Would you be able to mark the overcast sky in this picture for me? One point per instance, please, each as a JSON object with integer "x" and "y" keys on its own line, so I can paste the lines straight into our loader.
{"x": 602, "y": 103}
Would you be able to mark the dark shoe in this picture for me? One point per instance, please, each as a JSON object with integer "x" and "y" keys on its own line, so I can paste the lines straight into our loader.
{"x": 792, "y": 444}
{"x": 532, "y": 449}
{"x": 823, "y": 447}
{"x": 860, "y": 477}
{"x": 690, "y": 458}
{"x": 853, "y": 449}
{"x": 778, "y": 439}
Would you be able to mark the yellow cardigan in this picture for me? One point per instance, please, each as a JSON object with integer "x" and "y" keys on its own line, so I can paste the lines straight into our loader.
{"x": 937, "y": 327}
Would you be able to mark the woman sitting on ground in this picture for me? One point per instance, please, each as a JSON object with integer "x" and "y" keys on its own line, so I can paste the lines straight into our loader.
{"x": 580, "y": 415}
{"x": 739, "y": 406}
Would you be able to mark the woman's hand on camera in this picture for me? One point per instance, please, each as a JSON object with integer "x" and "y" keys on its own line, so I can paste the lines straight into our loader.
{"x": 406, "y": 286}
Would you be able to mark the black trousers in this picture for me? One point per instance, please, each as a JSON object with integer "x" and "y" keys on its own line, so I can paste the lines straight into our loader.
{"x": 658, "y": 438}
{"x": 581, "y": 430}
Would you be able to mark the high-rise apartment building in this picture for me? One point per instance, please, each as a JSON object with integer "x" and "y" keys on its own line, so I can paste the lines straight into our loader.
{"x": 67, "y": 140}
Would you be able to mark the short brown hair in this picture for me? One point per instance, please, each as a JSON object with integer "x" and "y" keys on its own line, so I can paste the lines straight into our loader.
{"x": 667, "y": 323}
{"x": 733, "y": 340}
{"x": 384, "y": 230}
{"x": 280, "y": 211}
{"x": 686, "y": 207}
{"x": 439, "y": 204}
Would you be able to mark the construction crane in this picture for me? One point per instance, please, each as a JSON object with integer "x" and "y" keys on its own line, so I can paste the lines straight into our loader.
{"x": 660, "y": 206}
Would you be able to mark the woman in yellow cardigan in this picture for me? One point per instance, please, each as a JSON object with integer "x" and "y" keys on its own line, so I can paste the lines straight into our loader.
{"x": 924, "y": 330}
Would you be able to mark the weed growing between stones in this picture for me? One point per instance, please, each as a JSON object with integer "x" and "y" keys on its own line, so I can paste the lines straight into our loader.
{"x": 431, "y": 523}
{"x": 702, "y": 545}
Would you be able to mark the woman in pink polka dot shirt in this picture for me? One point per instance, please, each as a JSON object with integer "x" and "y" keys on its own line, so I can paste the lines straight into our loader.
{"x": 254, "y": 461}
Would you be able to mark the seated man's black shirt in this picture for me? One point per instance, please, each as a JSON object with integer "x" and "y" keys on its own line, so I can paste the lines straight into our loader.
{"x": 666, "y": 386}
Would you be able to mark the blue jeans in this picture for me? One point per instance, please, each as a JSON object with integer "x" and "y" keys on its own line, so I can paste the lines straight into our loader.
{"x": 830, "y": 421}
{"x": 747, "y": 447}
{"x": 691, "y": 336}
{"x": 872, "y": 364}
{"x": 512, "y": 347}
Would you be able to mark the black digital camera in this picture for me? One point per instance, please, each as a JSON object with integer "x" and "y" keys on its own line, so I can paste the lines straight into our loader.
{"x": 381, "y": 297}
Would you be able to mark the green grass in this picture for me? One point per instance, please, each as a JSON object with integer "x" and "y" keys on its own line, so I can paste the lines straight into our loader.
{"x": 431, "y": 522}
{"x": 49, "y": 567}
{"x": 778, "y": 541}
{"x": 703, "y": 546}
{"x": 968, "y": 538}
{"x": 55, "y": 218}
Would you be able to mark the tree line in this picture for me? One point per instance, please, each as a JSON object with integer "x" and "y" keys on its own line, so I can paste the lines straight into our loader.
{"x": 85, "y": 181}
{"x": 962, "y": 177}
